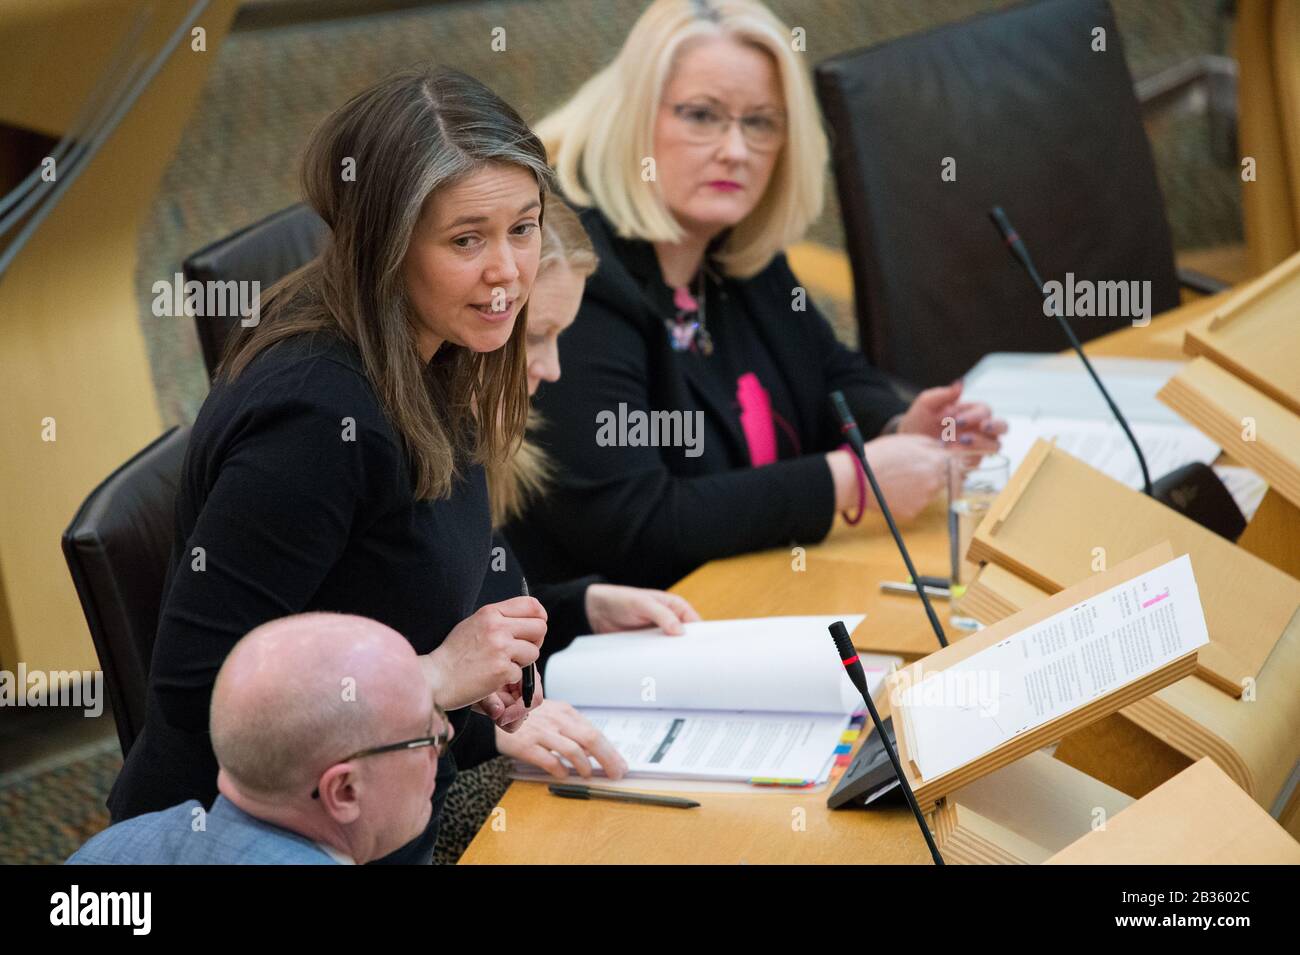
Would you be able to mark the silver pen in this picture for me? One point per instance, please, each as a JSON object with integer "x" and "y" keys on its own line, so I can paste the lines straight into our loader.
{"x": 898, "y": 587}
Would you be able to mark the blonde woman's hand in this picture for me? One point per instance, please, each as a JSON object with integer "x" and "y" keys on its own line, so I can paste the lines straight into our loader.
{"x": 611, "y": 608}
{"x": 966, "y": 425}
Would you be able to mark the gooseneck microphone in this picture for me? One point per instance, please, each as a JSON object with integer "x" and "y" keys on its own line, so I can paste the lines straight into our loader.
{"x": 1021, "y": 255}
{"x": 867, "y": 779}
{"x": 853, "y": 666}
{"x": 850, "y": 428}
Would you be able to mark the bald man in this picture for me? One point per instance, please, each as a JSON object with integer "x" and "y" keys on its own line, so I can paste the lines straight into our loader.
{"x": 298, "y": 709}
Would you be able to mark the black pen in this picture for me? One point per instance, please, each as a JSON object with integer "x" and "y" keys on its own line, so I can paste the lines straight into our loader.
{"x": 530, "y": 671}
{"x": 580, "y": 791}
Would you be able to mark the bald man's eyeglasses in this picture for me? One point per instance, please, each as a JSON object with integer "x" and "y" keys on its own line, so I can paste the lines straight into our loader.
{"x": 439, "y": 736}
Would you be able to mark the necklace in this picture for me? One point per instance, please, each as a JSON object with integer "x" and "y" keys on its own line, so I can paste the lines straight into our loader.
{"x": 689, "y": 330}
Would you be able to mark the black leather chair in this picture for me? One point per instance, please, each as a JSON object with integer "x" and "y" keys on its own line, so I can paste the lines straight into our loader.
{"x": 1038, "y": 123}
{"x": 118, "y": 548}
{"x": 264, "y": 252}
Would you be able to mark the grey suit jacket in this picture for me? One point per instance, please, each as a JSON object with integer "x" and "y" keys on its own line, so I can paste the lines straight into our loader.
{"x": 229, "y": 836}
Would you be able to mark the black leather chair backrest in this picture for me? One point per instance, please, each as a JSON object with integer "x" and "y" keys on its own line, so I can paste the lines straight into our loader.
{"x": 264, "y": 252}
{"x": 1036, "y": 122}
{"x": 118, "y": 548}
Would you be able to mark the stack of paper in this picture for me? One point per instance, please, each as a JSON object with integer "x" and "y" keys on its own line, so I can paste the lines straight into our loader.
{"x": 736, "y": 700}
{"x": 1052, "y": 397}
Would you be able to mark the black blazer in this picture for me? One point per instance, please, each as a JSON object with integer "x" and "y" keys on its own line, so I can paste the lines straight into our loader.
{"x": 300, "y": 494}
{"x": 647, "y": 515}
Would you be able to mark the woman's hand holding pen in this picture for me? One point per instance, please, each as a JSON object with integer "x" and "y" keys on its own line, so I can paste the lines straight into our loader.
{"x": 557, "y": 733}
{"x": 481, "y": 662}
{"x": 509, "y": 702}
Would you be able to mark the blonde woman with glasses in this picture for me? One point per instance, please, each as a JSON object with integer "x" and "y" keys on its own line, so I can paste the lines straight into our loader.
{"x": 692, "y": 421}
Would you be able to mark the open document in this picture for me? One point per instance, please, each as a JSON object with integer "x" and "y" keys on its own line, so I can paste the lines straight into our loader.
{"x": 958, "y": 714}
{"x": 735, "y": 700}
{"x": 1052, "y": 397}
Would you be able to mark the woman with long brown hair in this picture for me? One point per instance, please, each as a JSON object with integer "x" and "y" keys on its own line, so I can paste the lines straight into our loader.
{"x": 339, "y": 462}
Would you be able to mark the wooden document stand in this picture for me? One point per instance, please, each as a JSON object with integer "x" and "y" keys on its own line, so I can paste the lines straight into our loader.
{"x": 1022, "y": 814}
{"x": 929, "y": 791}
{"x": 1200, "y": 817}
{"x": 1058, "y": 519}
{"x": 1254, "y": 335}
{"x": 1242, "y": 389}
{"x": 1253, "y": 739}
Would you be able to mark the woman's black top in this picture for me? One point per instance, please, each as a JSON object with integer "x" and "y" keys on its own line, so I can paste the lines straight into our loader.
{"x": 647, "y": 515}
{"x": 296, "y": 496}
{"x": 565, "y": 601}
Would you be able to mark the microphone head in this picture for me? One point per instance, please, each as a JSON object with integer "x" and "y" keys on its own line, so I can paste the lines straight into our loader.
{"x": 843, "y": 642}
{"x": 1011, "y": 239}
{"x": 999, "y": 219}
{"x": 841, "y": 407}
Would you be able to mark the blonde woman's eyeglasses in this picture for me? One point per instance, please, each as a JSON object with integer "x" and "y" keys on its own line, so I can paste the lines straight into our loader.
{"x": 704, "y": 123}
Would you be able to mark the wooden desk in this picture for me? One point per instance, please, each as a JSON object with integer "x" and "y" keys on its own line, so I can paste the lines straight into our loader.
{"x": 842, "y": 575}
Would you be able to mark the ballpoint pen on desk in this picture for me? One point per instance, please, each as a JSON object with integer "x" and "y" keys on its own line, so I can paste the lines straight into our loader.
{"x": 582, "y": 791}
{"x": 898, "y": 587}
{"x": 530, "y": 671}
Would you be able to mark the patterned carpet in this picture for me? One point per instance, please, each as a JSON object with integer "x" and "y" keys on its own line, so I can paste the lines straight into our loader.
{"x": 46, "y": 817}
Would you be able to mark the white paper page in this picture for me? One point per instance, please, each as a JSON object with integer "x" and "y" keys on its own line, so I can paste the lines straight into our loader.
{"x": 1051, "y": 385}
{"x": 1104, "y": 446}
{"x": 717, "y": 745}
{"x": 767, "y": 664}
{"x": 1055, "y": 666}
